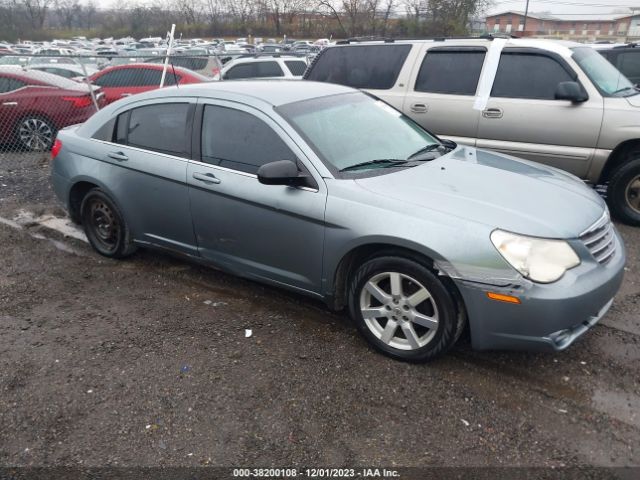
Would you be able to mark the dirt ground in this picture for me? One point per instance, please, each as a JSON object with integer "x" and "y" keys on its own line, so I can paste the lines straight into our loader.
{"x": 146, "y": 362}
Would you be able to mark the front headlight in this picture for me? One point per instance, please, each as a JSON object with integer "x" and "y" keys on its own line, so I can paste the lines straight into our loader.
{"x": 538, "y": 259}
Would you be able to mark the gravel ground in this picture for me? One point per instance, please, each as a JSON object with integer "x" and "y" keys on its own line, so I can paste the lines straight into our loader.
{"x": 145, "y": 362}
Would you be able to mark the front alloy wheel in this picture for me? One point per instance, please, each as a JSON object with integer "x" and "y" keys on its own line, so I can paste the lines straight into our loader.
{"x": 403, "y": 309}
{"x": 399, "y": 310}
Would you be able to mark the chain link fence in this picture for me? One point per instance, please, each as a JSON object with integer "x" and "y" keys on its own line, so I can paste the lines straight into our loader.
{"x": 41, "y": 94}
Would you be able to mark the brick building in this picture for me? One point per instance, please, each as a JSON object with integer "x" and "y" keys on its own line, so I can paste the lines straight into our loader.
{"x": 606, "y": 26}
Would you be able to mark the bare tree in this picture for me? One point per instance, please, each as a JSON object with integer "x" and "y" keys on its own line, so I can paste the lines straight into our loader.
{"x": 36, "y": 11}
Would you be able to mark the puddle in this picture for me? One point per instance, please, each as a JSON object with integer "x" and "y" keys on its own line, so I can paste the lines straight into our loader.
{"x": 623, "y": 406}
{"x": 60, "y": 224}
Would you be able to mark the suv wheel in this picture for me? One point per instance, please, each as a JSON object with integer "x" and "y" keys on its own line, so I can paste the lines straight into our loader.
{"x": 623, "y": 192}
{"x": 104, "y": 225}
{"x": 402, "y": 309}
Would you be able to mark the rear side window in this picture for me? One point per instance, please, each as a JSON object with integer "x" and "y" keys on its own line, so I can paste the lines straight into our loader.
{"x": 160, "y": 128}
{"x": 296, "y": 67}
{"x": 122, "y": 77}
{"x": 8, "y": 84}
{"x": 361, "y": 66}
{"x": 240, "y": 141}
{"x": 255, "y": 70}
{"x": 523, "y": 75}
{"x": 452, "y": 72}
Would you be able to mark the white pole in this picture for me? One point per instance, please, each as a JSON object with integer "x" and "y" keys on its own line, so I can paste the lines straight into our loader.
{"x": 166, "y": 59}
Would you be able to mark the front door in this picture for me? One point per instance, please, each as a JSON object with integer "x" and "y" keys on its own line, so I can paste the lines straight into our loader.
{"x": 267, "y": 232}
{"x": 523, "y": 118}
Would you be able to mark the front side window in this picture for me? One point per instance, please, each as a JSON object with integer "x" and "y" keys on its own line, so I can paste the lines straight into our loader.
{"x": 161, "y": 128}
{"x": 349, "y": 129}
{"x": 361, "y": 66}
{"x": 605, "y": 76}
{"x": 240, "y": 141}
{"x": 122, "y": 77}
{"x": 525, "y": 75}
{"x": 451, "y": 72}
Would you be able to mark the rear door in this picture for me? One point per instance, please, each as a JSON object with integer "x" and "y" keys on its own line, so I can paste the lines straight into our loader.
{"x": 442, "y": 91}
{"x": 145, "y": 157}
{"x": 523, "y": 118}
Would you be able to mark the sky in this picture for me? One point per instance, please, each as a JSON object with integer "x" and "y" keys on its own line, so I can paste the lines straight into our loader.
{"x": 586, "y": 8}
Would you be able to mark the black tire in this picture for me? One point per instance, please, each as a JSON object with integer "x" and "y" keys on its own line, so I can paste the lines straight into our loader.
{"x": 437, "y": 340}
{"x": 104, "y": 225}
{"x": 43, "y": 133}
{"x": 623, "y": 191}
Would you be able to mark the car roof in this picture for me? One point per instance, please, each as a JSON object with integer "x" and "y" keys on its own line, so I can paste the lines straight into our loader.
{"x": 561, "y": 47}
{"x": 274, "y": 92}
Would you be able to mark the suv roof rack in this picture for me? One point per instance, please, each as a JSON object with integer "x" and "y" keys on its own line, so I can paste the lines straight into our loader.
{"x": 269, "y": 54}
{"x": 487, "y": 36}
{"x": 628, "y": 45}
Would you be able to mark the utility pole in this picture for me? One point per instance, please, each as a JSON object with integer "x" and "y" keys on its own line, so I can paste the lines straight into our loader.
{"x": 524, "y": 23}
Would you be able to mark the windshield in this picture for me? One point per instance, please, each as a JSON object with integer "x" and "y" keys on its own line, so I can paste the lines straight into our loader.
{"x": 605, "y": 76}
{"x": 350, "y": 129}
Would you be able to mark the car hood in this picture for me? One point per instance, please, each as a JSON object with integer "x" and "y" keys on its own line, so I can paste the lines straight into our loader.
{"x": 634, "y": 100}
{"x": 496, "y": 190}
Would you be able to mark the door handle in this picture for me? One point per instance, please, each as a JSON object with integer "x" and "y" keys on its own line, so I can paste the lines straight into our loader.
{"x": 419, "y": 108}
{"x": 125, "y": 94}
{"x": 10, "y": 104}
{"x": 121, "y": 157}
{"x": 206, "y": 177}
{"x": 492, "y": 113}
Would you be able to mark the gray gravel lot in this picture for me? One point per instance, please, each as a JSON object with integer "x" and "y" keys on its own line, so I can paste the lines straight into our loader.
{"x": 145, "y": 362}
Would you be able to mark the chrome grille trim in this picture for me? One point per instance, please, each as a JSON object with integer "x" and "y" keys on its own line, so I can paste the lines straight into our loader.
{"x": 599, "y": 239}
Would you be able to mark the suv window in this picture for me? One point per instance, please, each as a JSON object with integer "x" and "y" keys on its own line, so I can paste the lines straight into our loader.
{"x": 525, "y": 75}
{"x": 360, "y": 66}
{"x": 8, "y": 84}
{"x": 296, "y": 67}
{"x": 629, "y": 64}
{"x": 453, "y": 72}
{"x": 240, "y": 141}
{"x": 255, "y": 70}
{"x": 160, "y": 128}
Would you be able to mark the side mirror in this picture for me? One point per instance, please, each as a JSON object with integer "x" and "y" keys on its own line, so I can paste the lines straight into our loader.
{"x": 282, "y": 172}
{"x": 571, "y": 91}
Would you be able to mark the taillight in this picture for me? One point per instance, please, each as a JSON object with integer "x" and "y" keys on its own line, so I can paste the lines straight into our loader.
{"x": 55, "y": 148}
{"x": 79, "y": 102}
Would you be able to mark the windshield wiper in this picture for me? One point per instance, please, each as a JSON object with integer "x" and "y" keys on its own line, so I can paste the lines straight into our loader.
{"x": 426, "y": 149}
{"x": 381, "y": 162}
{"x": 634, "y": 88}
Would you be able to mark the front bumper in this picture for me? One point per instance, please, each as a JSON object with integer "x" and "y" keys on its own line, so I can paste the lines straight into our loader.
{"x": 550, "y": 317}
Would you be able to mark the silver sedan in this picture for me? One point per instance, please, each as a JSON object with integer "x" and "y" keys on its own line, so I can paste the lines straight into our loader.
{"x": 330, "y": 192}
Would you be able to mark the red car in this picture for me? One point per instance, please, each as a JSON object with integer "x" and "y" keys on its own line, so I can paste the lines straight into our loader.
{"x": 125, "y": 80}
{"x": 34, "y": 105}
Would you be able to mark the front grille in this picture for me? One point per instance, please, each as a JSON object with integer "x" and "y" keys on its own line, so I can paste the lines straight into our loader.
{"x": 600, "y": 239}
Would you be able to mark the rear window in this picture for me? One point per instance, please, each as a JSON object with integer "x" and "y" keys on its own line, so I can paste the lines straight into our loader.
{"x": 296, "y": 67}
{"x": 360, "y": 66}
{"x": 451, "y": 72}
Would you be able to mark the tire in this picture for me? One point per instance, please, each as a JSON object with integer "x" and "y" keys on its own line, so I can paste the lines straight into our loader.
{"x": 623, "y": 192}
{"x": 35, "y": 134}
{"x": 380, "y": 292}
{"x": 104, "y": 225}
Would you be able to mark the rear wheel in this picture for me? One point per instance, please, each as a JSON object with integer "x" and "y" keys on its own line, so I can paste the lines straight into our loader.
{"x": 402, "y": 309}
{"x": 623, "y": 191}
{"x": 35, "y": 134}
{"x": 104, "y": 225}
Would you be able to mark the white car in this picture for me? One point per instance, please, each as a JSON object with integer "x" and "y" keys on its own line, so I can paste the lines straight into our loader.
{"x": 259, "y": 66}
